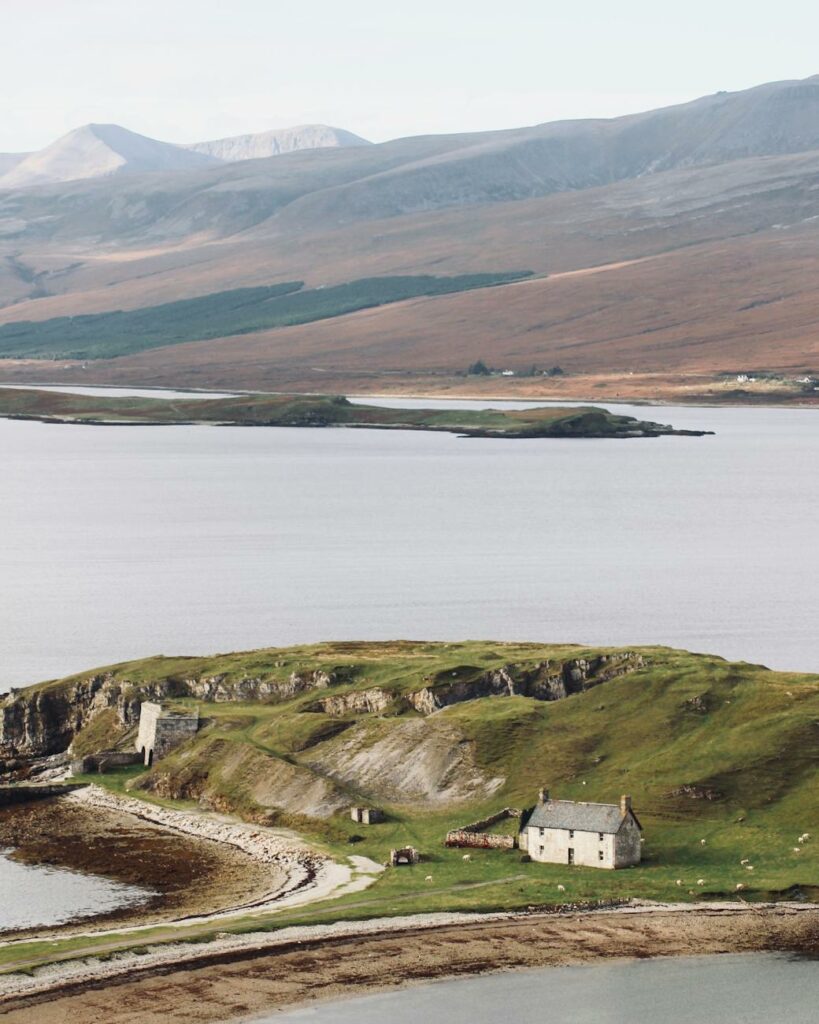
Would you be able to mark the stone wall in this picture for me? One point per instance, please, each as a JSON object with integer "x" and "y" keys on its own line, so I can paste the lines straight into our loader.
{"x": 104, "y": 761}
{"x": 627, "y": 847}
{"x": 475, "y": 834}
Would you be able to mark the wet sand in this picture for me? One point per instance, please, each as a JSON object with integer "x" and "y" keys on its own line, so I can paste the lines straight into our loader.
{"x": 189, "y": 876}
{"x": 223, "y": 986}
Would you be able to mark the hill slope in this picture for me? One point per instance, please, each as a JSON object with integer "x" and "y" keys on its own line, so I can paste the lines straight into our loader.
{"x": 716, "y": 199}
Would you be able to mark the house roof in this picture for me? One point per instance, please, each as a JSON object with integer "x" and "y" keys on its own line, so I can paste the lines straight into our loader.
{"x": 581, "y": 817}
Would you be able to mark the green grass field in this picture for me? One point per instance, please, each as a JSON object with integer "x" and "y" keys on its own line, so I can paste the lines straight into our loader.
{"x": 741, "y": 733}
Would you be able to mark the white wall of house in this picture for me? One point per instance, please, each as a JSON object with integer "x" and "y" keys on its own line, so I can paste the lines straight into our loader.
{"x": 552, "y": 845}
{"x": 591, "y": 849}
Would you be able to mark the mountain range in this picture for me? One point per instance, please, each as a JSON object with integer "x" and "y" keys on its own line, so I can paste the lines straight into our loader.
{"x": 100, "y": 150}
{"x": 681, "y": 242}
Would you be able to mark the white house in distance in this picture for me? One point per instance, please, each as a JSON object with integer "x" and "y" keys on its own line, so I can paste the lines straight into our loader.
{"x": 592, "y": 835}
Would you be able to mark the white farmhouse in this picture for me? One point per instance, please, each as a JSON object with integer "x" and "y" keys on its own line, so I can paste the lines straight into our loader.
{"x": 592, "y": 835}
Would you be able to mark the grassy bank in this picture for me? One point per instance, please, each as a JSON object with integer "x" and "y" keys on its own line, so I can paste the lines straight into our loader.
{"x": 323, "y": 411}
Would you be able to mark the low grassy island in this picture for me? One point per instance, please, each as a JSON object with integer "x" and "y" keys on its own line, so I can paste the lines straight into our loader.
{"x": 326, "y": 411}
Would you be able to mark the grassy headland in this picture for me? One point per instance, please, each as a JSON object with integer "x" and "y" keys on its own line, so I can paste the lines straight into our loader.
{"x": 720, "y": 759}
{"x": 324, "y": 411}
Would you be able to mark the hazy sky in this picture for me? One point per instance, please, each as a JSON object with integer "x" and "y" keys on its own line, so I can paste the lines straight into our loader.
{"x": 185, "y": 70}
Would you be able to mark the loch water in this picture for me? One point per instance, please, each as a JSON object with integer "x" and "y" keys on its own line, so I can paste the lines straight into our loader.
{"x": 737, "y": 989}
{"x": 38, "y": 895}
{"x": 121, "y": 542}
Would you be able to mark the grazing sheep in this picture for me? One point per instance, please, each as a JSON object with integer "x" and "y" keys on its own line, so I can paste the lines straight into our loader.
{"x": 679, "y": 881}
{"x": 797, "y": 849}
{"x": 700, "y": 881}
{"x": 428, "y": 878}
{"x": 745, "y": 860}
{"x": 739, "y": 886}
{"x": 702, "y": 842}
{"x": 467, "y": 857}
{"x": 561, "y": 888}
{"x": 749, "y": 867}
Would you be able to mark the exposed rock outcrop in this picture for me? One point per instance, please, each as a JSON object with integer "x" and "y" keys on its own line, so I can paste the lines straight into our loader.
{"x": 357, "y": 702}
{"x": 545, "y": 681}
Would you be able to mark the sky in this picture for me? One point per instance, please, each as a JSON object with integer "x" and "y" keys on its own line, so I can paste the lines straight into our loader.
{"x": 189, "y": 70}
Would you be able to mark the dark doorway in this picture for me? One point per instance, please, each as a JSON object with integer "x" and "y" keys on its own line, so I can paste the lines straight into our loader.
{"x": 571, "y": 855}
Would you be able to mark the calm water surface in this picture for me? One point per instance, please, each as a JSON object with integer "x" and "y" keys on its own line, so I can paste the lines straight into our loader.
{"x": 37, "y": 895}
{"x": 127, "y": 541}
{"x": 745, "y": 989}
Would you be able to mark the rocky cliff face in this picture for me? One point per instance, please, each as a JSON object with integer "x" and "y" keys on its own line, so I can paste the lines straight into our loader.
{"x": 545, "y": 681}
{"x": 38, "y": 723}
{"x": 41, "y": 722}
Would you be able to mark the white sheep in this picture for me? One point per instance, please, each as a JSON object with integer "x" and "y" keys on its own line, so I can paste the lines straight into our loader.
{"x": 428, "y": 878}
{"x": 745, "y": 860}
{"x": 702, "y": 842}
{"x": 679, "y": 881}
{"x": 561, "y": 888}
{"x": 467, "y": 857}
{"x": 739, "y": 886}
{"x": 749, "y": 867}
{"x": 797, "y": 849}
{"x": 700, "y": 881}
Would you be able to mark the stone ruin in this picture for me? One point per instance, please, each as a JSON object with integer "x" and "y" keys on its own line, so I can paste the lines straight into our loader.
{"x": 475, "y": 834}
{"x": 405, "y": 855}
{"x": 367, "y": 815}
{"x": 160, "y": 730}
{"x": 104, "y": 761}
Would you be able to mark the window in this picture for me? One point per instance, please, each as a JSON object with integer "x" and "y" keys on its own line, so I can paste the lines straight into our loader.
{"x": 600, "y": 855}
{"x": 541, "y": 849}
{"x": 600, "y": 836}
{"x": 543, "y": 831}
{"x": 571, "y": 833}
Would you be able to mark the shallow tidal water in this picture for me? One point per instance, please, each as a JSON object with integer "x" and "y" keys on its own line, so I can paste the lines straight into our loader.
{"x": 736, "y": 989}
{"x": 121, "y": 542}
{"x": 36, "y": 895}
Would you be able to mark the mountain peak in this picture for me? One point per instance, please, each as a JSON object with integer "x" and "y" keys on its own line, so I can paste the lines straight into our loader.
{"x": 277, "y": 141}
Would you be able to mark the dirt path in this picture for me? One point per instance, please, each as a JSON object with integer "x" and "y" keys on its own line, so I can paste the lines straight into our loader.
{"x": 353, "y": 959}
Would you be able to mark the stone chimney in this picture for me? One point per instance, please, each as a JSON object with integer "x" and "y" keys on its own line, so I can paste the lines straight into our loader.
{"x": 543, "y": 795}
{"x": 625, "y": 804}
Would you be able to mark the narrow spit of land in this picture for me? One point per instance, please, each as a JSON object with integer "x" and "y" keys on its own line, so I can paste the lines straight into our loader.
{"x": 306, "y": 965}
{"x": 326, "y": 411}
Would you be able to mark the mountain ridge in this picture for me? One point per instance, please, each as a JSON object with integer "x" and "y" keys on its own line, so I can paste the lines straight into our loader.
{"x": 101, "y": 150}
{"x": 706, "y": 214}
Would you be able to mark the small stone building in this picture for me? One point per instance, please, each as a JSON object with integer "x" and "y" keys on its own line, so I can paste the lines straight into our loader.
{"x": 587, "y": 834}
{"x": 366, "y": 815}
{"x": 406, "y": 855}
{"x": 160, "y": 730}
